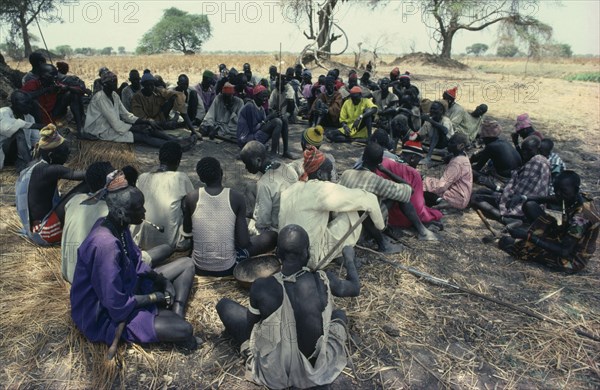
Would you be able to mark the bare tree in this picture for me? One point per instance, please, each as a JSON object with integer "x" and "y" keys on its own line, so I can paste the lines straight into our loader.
{"x": 322, "y": 27}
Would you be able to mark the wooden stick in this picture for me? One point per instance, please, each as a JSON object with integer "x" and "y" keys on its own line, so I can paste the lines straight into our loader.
{"x": 112, "y": 350}
{"x": 486, "y": 222}
{"x": 341, "y": 241}
{"x": 445, "y": 283}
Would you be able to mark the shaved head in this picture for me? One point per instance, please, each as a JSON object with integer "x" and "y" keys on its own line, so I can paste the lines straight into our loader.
{"x": 293, "y": 242}
{"x": 253, "y": 155}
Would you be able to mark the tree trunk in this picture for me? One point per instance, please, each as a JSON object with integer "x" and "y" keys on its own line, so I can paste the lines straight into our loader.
{"x": 447, "y": 44}
{"x": 25, "y": 34}
{"x": 324, "y": 26}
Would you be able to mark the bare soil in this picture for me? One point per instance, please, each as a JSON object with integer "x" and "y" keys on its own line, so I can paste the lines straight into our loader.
{"x": 406, "y": 333}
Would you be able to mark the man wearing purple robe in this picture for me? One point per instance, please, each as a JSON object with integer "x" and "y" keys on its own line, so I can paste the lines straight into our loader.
{"x": 112, "y": 284}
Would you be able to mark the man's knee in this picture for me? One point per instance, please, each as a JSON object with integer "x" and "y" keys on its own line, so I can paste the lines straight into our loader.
{"x": 339, "y": 314}
{"x": 223, "y": 307}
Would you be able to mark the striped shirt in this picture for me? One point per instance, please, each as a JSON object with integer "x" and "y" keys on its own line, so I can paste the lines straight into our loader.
{"x": 370, "y": 182}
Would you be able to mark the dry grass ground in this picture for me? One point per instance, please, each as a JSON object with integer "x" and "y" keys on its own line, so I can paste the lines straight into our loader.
{"x": 406, "y": 333}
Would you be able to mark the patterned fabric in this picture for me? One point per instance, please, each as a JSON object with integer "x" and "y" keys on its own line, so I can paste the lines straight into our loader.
{"x": 581, "y": 223}
{"x": 313, "y": 159}
{"x": 556, "y": 164}
{"x": 456, "y": 184}
{"x": 532, "y": 179}
{"x": 370, "y": 182}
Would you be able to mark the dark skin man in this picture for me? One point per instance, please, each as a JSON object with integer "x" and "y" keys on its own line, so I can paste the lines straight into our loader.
{"x": 307, "y": 295}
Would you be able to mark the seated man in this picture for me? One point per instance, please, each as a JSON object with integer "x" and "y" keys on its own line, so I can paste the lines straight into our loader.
{"x": 402, "y": 213}
{"x": 356, "y": 118}
{"x": 313, "y": 136}
{"x": 456, "y": 184}
{"x": 436, "y": 129}
{"x": 36, "y": 59}
{"x": 556, "y": 163}
{"x": 112, "y": 286}
{"x": 222, "y": 117}
{"x": 402, "y": 86}
{"x": 254, "y": 124}
{"x": 325, "y": 110}
{"x": 18, "y": 131}
{"x": 283, "y": 101}
{"x": 326, "y": 210}
{"x": 402, "y": 169}
{"x": 291, "y": 333}
{"x": 206, "y": 90}
{"x": 83, "y": 210}
{"x": 344, "y": 89}
{"x": 39, "y": 205}
{"x": 532, "y": 179}
{"x": 154, "y": 103}
{"x": 523, "y": 129}
{"x": 195, "y": 108}
{"x": 164, "y": 190}
{"x": 214, "y": 218}
{"x": 461, "y": 120}
{"x": 567, "y": 247}
{"x": 275, "y": 178}
{"x": 498, "y": 156}
{"x": 131, "y": 89}
{"x": 108, "y": 120}
{"x": 390, "y": 116}
{"x": 53, "y": 98}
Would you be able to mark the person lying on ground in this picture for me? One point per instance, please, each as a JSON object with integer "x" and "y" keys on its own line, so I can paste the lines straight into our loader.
{"x": 291, "y": 318}
{"x": 455, "y": 186}
{"x": 532, "y": 179}
{"x": 112, "y": 285}
{"x": 566, "y": 247}
{"x": 274, "y": 178}
{"x": 39, "y": 205}
{"x": 214, "y": 218}
{"x": 326, "y": 210}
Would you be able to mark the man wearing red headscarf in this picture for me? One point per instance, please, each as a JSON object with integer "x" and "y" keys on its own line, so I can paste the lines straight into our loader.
{"x": 462, "y": 121}
{"x": 310, "y": 202}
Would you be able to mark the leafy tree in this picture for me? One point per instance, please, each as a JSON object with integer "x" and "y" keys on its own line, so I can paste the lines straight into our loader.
{"x": 121, "y": 50}
{"x": 445, "y": 18}
{"x": 508, "y": 50}
{"x": 21, "y": 13}
{"x": 106, "y": 51}
{"x": 558, "y": 50}
{"x": 86, "y": 51}
{"x": 477, "y": 49}
{"x": 64, "y": 50}
{"x": 177, "y": 31}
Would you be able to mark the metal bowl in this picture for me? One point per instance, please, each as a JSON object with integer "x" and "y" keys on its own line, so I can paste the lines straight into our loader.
{"x": 247, "y": 271}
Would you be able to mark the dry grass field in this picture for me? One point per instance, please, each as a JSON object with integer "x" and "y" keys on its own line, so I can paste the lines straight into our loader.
{"x": 406, "y": 333}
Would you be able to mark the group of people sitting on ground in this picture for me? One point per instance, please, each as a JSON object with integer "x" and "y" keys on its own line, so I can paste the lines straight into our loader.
{"x": 118, "y": 229}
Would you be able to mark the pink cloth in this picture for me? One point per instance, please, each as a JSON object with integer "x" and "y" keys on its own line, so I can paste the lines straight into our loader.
{"x": 456, "y": 184}
{"x": 412, "y": 177}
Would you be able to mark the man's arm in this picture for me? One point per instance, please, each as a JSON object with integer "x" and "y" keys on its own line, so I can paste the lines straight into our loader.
{"x": 351, "y": 286}
{"x": 238, "y": 205}
{"x": 189, "y": 206}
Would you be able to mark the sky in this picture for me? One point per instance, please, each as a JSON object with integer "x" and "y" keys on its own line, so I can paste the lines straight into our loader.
{"x": 261, "y": 25}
